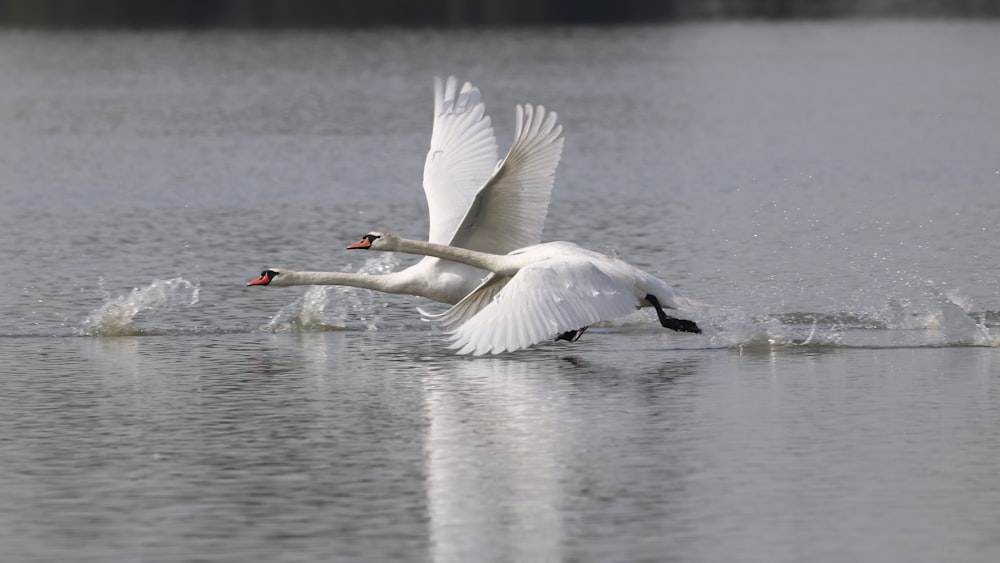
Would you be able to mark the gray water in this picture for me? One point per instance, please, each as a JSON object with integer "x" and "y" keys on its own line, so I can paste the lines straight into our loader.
{"x": 833, "y": 189}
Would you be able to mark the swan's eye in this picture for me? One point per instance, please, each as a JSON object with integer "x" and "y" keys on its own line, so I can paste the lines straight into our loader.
{"x": 269, "y": 273}
{"x": 371, "y": 238}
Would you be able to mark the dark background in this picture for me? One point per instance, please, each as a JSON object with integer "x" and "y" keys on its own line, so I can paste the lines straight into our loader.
{"x": 438, "y": 13}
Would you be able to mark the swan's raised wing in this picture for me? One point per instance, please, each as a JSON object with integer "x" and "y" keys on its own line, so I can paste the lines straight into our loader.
{"x": 509, "y": 211}
{"x": 462, "y": 155}
{"x": 542, "y": 301}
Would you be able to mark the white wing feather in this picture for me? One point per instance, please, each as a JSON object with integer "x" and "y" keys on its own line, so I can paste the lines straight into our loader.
{"x": 462, "y": 155}
{"x": 544, "y": 300}
{"x": 509, "y": 211}
{"x": 471, "y": 304}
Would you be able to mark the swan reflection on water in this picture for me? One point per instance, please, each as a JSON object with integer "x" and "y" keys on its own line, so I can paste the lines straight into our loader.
{"x": 505, "y": 443}
{"x": 493, "y": 477}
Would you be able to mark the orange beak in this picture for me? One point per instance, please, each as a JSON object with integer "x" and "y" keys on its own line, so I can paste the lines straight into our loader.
{"x": 262, "y": 280}
{"x": 363, "y": 243}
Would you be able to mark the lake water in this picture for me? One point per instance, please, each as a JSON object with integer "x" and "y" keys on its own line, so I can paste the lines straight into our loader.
{"x": 833, "y": 189}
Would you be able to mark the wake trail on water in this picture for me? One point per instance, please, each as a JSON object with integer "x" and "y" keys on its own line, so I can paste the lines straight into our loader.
{"x": 935, "y": 319}
{"x": 950, "y": 321}
{"x": 116, "y": 316}
{"x": 939, "y": 319}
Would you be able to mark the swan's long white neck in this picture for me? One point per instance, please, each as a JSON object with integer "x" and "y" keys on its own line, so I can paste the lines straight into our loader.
{"x": 496, "y": 263}
{"x": 446, "y": 282}
{"x": 384, "y": 282}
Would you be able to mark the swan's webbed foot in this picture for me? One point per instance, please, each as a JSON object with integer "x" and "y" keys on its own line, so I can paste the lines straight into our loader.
{"x": 572, "y": 335}
{"x": 680, "y": 325}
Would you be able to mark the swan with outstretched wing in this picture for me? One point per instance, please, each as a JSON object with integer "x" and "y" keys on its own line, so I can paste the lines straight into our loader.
{"x": 473, "y": 200}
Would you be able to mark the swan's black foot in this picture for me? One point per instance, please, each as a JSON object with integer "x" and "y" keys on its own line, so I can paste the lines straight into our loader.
{"x": 572, "y": 335}
{"x": 680, "y": 325}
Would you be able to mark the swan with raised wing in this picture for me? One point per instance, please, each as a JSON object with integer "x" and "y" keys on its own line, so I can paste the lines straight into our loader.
{"x": 541, "y": 292}
{"x": 473, "y": 200}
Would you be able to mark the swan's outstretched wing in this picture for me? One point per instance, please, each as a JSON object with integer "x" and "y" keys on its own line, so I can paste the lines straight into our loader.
{"x": 542, "y": 301}
{"x": 509, "y": 211}
{"x": 462, "y": 155}
{"x": 471, "y": 304}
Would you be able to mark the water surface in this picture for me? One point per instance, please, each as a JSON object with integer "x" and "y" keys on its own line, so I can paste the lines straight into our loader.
{"x": 831, "y": 188}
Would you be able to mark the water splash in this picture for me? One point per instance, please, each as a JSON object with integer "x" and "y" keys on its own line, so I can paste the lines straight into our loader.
{"x": 305, "y": 314}
{"x": 309, "y": 312}
{"x": 950, "y": 320}
{"x": 959, "y": 326}
{"x": 737, "y": 328}
{"x": 115, "y": 317}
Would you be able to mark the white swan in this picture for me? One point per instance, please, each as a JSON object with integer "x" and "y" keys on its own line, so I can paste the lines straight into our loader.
{"x": 473, "y": 201}
{"x": 540, "y": 292}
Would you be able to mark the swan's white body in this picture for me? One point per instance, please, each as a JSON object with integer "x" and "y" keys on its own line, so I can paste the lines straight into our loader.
{"x": 473, "y": 201}
{"x": 538, "y": 292}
